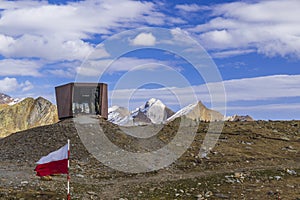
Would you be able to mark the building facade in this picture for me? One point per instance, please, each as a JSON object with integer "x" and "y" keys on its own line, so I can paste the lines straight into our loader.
{"x": 75, "y": 99}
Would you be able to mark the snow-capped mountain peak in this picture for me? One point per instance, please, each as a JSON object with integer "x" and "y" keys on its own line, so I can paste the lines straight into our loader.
{"x": 153, "y": 111}
{"x": 15, "y": 101}
{"x": 156, "y": 112}
{"x": 113, "y": 108}
{"x": 119, "y": 115}
{"x": 243, "y": 118}
{"x": 5, "y": 99}
{"x": 154, "y": 101}
{"x": 198, "y": 111}
{"x": 150, "y": 103}
{"x": 184, "y": 111}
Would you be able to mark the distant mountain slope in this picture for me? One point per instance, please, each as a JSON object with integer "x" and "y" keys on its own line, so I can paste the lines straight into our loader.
{"x": 198, "y": 112}
{"x": 26, "y": 114}
{"x": 153, "y": 111}
{"x": 5, "y": 99}
{"x": 236, "y": 118}
{"x": 119, "y": 115}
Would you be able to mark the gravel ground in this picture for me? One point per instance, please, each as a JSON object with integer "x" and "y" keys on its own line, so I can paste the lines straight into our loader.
{"x": 251, "y": 160}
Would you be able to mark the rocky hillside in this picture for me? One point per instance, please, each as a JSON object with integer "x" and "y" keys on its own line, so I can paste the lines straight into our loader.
{"x": 26, "y": 114}
{"x": 252, "y": 160}
{"x": 5, "y": 99}
{"x": 237, "y": 118}
{"x": 199, "y": 112}
{"x": 8, "y": 100}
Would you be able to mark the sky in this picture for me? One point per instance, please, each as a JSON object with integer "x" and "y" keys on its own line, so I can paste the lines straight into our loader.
{"x": 238, "y": 57}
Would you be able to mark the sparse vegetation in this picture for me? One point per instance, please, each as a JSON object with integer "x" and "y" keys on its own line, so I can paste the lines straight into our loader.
{"x": 252, "y": 160}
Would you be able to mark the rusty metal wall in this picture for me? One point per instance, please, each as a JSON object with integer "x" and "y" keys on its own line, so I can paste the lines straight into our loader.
{"x": 64, "y": 98}
{"x": 64, "y": 95}
{"x": 104, "y": 100}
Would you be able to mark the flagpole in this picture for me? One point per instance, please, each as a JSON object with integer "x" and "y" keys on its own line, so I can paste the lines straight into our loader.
{"x": 68, "y": 175}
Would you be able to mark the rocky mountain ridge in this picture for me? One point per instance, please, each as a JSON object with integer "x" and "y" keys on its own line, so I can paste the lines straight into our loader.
{"x": 199, "y": 112}
{"x": 21, "y": 114}
{"x": 241, "y": 118}
{"x": 155, "y": 112}
{"x": 5, "y": 99}
{"x": 28, "y": 113}
{"x": 152, "y": 112}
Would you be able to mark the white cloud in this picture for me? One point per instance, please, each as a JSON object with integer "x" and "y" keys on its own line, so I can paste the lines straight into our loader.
{"x": 259, "y": 88}
{"x": 10, "y": 67}
{"x": 176, "y": 20}
{"x": 99, "y": 52}
{"x": 21, "y": 4}
{"x": 26, "y": 86}
{"x": 73, "y": 20}
{"x": 61, "y": 69}
{"x": 191, "y": 7}
{"x": 66, "y": 73}
{"x": 230, "y": 53}
{"x": 58, "y": 32}
{"x": 8, "y": 84}
{"x": 262, "y": 88}
{"x": 248, "y": 89}
{"x": 179, "y": 36}
{"x": 274, "y": 111}
{"x": 52, "y": 48}
{"x": 144, "y": 39}
{"x": 11, "y": 84}
{"x": 274, "y": 107}
{"x": 5, "y": 43}
{"x": 123, "y": 64}
{"x": 181, "y": 39}
{"x": 270, "y": 27}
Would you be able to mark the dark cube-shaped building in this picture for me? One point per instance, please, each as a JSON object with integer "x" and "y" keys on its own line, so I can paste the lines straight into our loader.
{"x": 74, "y": 99}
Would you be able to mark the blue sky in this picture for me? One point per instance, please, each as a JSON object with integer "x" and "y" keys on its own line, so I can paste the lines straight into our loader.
{"x": 255, "y": 46}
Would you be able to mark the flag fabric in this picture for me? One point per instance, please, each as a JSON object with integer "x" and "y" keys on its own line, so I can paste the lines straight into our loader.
{"x": 54, "y": 163}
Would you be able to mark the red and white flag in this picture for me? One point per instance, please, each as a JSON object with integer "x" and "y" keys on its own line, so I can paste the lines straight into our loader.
{"x": 54, "y": 163}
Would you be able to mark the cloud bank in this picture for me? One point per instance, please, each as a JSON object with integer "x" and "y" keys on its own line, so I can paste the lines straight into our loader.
{"x": 270, "y": 27}
{"x": 251, "y": 90}
{"x": 10, "y": 84}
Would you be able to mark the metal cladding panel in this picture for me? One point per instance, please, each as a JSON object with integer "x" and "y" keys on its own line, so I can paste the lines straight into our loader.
{"x": 64, "y": 100}
{"x": 82, "y": 98}
{"x": 104, "y": 100}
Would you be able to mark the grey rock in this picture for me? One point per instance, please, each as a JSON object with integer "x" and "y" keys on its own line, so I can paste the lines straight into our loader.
{"x": 291, "y": 172}
{"x": 79, "y": 176}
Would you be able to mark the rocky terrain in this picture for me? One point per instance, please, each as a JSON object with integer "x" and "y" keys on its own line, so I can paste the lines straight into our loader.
{"x": 198, "y": 112}
{"x": 236, "y": 118}
{"x": 5, "y": 99}
{"x": 251, "y": 160}
{"x": 28, "y": 113}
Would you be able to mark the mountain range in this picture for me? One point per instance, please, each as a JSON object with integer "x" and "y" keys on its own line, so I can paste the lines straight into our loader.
{"x": 152, "y": 112}
{"x": 155, "y": 112}
{"x": 236, "y": 118}
{"x": 21, "y": 114}
{"x": 5, "y": 99}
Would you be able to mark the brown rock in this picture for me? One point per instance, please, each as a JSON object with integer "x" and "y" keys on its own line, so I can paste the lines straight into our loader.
{"x": 26, "y": 114}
